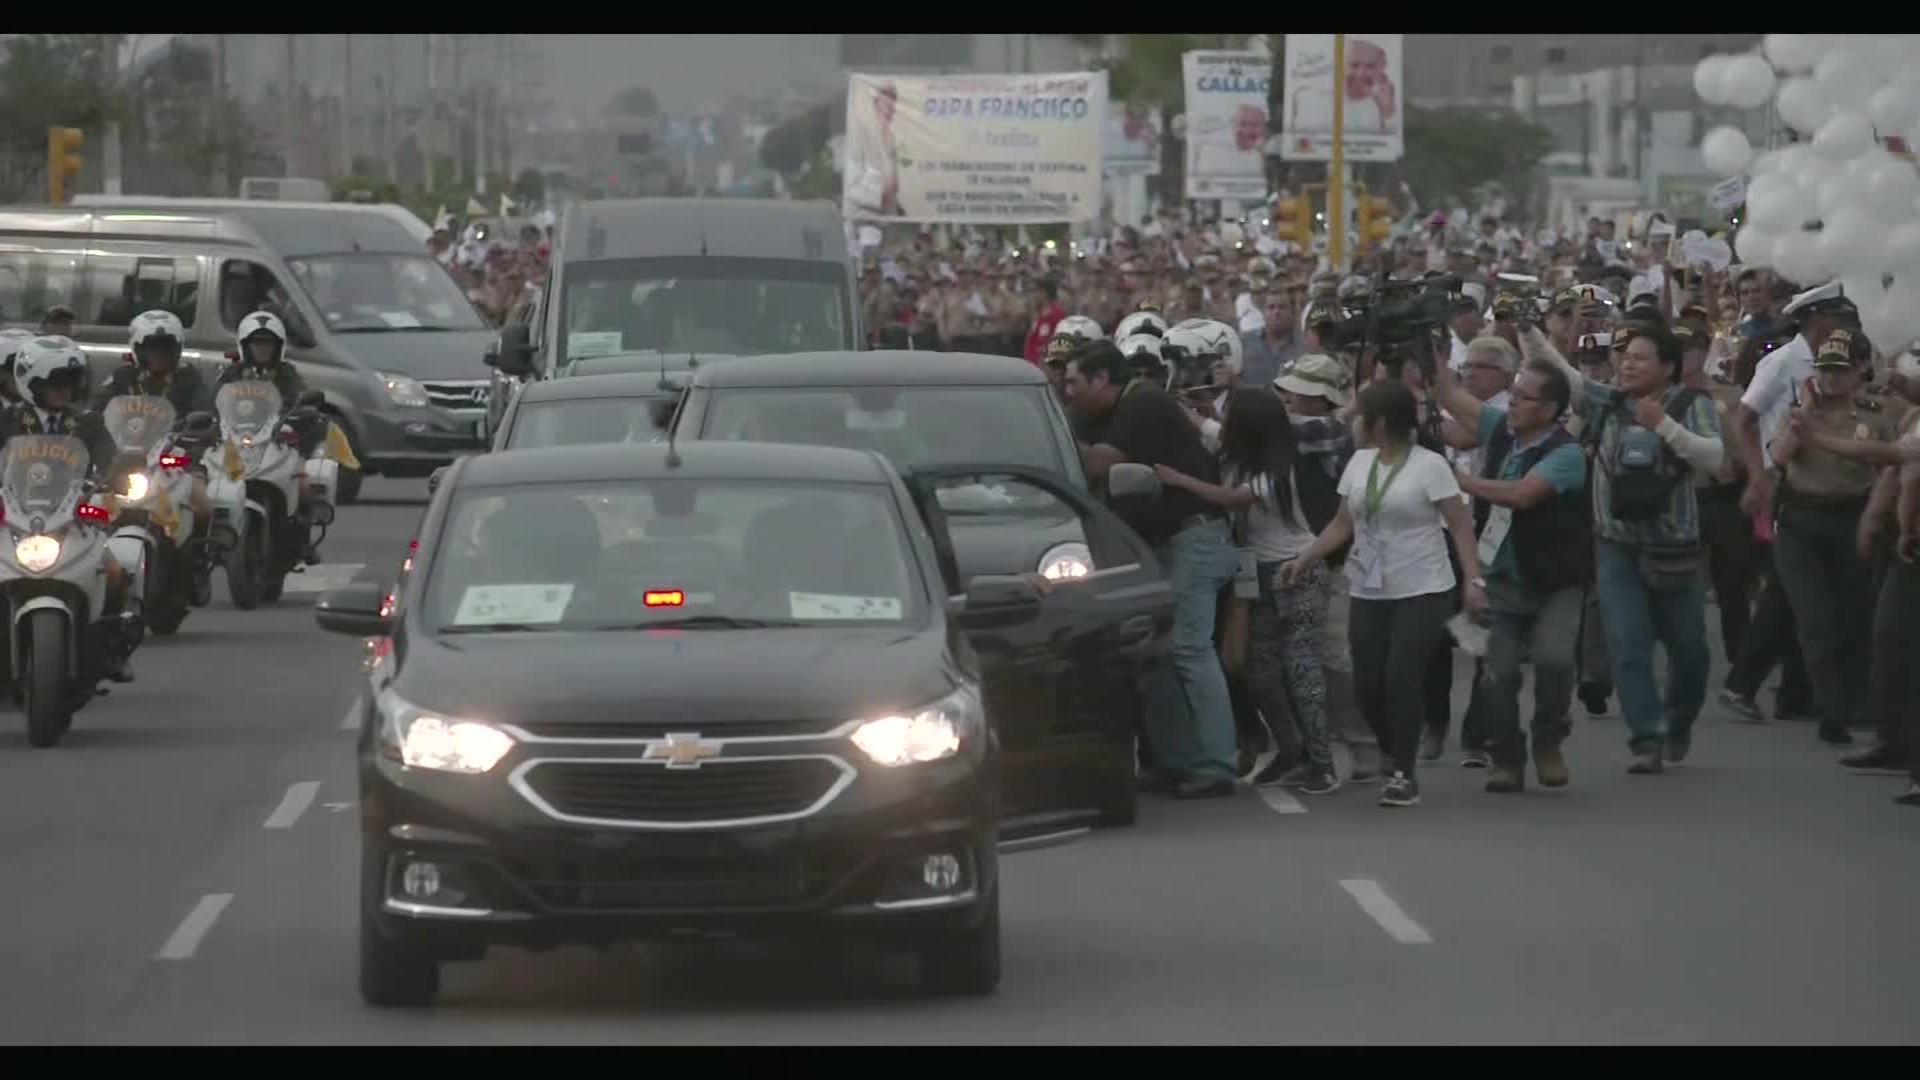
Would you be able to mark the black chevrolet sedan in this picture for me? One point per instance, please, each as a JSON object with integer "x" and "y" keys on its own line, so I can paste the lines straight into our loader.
{"x": 636, "y": 691}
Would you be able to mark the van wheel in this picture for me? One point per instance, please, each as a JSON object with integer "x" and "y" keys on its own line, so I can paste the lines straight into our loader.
{"x": 965, "y": 962}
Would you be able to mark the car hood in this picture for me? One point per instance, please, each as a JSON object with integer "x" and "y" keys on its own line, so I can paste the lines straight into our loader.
{"x": 705, "y": 678}
{"x": 421, "y": 354}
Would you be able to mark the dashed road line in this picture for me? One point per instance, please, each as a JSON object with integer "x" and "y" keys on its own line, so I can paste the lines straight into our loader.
{"x": 1280, "y": 801}
{"x": 320, "y": 578}
{"x": 351, "y": 721}
{"x": 296, "y": 801}
{"x": 1381, "y": 908}
{"x": 193, "y": 929}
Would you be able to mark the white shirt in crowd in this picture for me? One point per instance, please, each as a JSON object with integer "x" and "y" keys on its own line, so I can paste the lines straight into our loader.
{"x": 1270, "y": 536}
{"x": 1404, "y": 552}
{"x": 1770, "y": 395}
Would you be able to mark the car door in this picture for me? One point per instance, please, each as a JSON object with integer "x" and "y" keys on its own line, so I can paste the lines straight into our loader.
{"x": 1064, "y": 688}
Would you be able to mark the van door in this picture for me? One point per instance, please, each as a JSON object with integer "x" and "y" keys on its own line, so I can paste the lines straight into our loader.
{"x": 35, "y": 277}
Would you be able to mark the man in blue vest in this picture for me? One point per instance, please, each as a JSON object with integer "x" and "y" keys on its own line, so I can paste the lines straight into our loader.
{"x": 1532, "y": 516}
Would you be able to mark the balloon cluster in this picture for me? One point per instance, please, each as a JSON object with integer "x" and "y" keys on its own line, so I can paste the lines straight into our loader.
{"x": 1837, "y": 204}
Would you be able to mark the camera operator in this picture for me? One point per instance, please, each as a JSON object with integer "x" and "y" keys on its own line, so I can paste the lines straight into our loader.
{"x": 1190, "y": 717}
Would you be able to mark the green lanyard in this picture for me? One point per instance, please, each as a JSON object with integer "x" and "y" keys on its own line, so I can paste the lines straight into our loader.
{"x": 1376, "y": 491}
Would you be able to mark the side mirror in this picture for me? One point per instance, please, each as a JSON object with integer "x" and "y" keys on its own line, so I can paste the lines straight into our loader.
{"x": 661, "y": 410}
{"x": 310, "y": 399}
{"x": 513, "y": 350}
{"x": 434, "y": 478}
{"x": 359, "y": 609}
{"x": 1129, "y": 480}
{"x": 1002, "y": 598}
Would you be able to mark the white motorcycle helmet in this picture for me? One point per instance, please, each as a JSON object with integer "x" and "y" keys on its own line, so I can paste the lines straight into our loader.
{"x": 257, "y": 325}
{"x": 49, "y": 359}
{"x": 1209, "y": 338}
{"x": 156, "y": 328}
{"x": 1079, "y": 326}
{"x": 12, "y": 340}
{"x": 1140, "y": 322}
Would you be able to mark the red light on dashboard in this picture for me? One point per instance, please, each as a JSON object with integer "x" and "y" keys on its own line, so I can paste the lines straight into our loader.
{"x": 90, "y": 512}
{"x": 665, "y": 598}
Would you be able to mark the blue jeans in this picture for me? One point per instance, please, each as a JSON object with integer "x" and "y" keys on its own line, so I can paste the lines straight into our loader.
{"x": 1189, "y": 713}
{"x": 1637, "y": 615}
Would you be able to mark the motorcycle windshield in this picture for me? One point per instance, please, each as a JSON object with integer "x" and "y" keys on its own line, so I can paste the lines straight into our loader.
{"x": 138, "y": 423}
{"x": 247, "y": 408}
{"x": 42, "y": 472}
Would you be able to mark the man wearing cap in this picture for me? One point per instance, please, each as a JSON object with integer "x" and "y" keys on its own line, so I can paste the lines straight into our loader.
{"x": 1776, "y": 386}
{"x": 1821, "y": 498}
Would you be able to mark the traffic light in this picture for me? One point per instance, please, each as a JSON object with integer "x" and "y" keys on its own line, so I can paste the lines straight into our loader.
{"x": 63, "y": 161}
{"x": 1376, "y": 219}
{"x": 1293, "y": 221}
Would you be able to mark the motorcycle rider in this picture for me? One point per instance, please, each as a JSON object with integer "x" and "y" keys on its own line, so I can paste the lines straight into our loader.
{"x": 52, "y": 372}
{"x": 263, "y": 355}
{"x": 156, "y": 338}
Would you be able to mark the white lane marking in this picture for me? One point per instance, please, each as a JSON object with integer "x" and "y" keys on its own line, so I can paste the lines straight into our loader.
{"x": 351, "y": 721}
{"x": 318, "y": 579}
{"x": 187, "y": 936}
{"x": 336, "y": 807}
{"x": 1380, "y": 907}
{"x": 1280, "y": 801}
{"x": 298, "y": 797}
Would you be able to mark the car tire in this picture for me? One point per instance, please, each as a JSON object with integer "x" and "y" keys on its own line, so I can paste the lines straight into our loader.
{"x": 394, "y": 972}
{"x": 965, "y": 962}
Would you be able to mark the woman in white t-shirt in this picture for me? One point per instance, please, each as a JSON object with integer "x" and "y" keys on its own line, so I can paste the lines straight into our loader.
{"x": 1400, "y": 501}
{"x": 1278, "y": 498}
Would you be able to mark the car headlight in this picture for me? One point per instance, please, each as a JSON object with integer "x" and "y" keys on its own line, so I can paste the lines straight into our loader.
{"x": 137, "y": 486}
{"x": 36, "y": 552}
{"x": 428, "y": 740}
{"x": 1072, "y": 560}
{"x": 931, "y": 733}
{"x": 404, "y": 391}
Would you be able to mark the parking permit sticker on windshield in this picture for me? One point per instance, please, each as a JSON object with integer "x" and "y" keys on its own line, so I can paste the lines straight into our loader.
{"x": 593, "y": 342}
{"x": 482, "y": 605}
{"x": 399, "y": 320}
{"x": 828, "y": 606}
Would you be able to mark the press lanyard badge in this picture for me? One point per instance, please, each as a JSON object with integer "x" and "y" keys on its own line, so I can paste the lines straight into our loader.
{"x": 1499, "y": 520}
{"x": 1246, "y": 575}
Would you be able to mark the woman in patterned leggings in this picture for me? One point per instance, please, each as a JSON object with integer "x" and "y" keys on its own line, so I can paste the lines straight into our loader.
{"x": 1280, "y": 498}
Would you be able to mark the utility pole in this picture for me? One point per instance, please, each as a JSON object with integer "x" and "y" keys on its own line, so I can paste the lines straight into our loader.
{"x": 223, "y": 155}
{"x": 460, "y": 112}
{"x": 114, "y": 72}
{"x": 346, "y": 105}
{"x": 390, "y": 139}
{"x": 288, "y": 114}
{"x": 1337, "y": 168}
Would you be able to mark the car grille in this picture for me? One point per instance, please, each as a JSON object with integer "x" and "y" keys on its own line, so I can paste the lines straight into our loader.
{"x": 458, "y": 396}
{"x": 717, "y": 791}
{"x": 618, "y": 729}
{"x": 708, "y": 882}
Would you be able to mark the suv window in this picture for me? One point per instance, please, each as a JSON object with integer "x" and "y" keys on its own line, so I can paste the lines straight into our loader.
{"x": 33, "y": 281}
{"x": 246, "y": 287}
{"x": 118, "y": 287}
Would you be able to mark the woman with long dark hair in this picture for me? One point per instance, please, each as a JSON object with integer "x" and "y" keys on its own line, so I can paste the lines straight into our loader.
{"x": 1400, "y": 503}
{"x": 1280, "y": 498}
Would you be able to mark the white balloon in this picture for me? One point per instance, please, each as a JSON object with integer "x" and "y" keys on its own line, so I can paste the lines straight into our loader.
{"x": 1769, "y": 200}
{"x": 1851, "y": 243}
{"x": 1901, "y": 252}
{"x": 1894, "y": 108}
{"x": 1802, "y": 104}
{"x": 1836, "y": 192}
{"x": 1791, "y": 53}
{"x": 1845, "y": 78}
{"x": 1747, "y": 81}
{"x": 1710, "y": 80}
{"x": 1753, "y": 246}
{"x": 1844, "y": 135}
{"x": 1798, "y": 256}
{"x": 1726, "y": 150}
{"x": 1891, "y": 189}
{"x": 1794, "y": 161}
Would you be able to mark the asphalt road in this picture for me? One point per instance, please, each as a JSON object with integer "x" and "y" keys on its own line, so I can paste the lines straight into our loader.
{"x": 182, "y": 870}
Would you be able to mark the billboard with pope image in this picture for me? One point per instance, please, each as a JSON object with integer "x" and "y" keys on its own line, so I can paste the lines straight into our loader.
{"x": 974, "y": 149}
{"x": 1374, "y": 115}
{"x": 1226, "y": 97}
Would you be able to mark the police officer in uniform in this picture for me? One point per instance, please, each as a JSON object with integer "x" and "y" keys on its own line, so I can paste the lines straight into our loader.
{"x": 156, "y": 338}
{"x": 263, "y": 355}
{"x": 1818, "y": 506}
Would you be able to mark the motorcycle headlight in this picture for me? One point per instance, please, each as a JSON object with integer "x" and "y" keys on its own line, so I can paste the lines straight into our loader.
{"x": 1072, "y": 560}
{"x": 931, "y": 733}
{"x": 137, "y": 486}
{"x": 404, "y": 391}
{"x": 36, "y": 552}
{"x": 428, "y": 740}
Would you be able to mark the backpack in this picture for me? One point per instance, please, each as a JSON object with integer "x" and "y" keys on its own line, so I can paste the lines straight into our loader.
{"x": 1643, "y": 470}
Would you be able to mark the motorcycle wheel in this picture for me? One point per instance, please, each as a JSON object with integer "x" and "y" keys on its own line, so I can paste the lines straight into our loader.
{"x": 47, "y": 672}
{"x": 245, "y": 565}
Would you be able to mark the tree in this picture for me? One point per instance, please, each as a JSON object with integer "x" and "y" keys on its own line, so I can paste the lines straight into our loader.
{"x": 175, "y": 113}
{"x": 50, "y": 80}
{"x": 635, "y": 101}
{"x": 790, "y": 147}
{"x": 1452, "y": 152}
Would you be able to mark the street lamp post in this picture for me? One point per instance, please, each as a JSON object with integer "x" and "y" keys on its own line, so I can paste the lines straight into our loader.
{"x": 1337, "y": 168}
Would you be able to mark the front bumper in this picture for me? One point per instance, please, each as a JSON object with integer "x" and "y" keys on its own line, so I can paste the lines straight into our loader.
{"x": 892, "y": 854}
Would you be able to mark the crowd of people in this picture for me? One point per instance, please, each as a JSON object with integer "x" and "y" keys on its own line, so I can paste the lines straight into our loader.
{"x": 1584, "y": 440}
{"x": 495, "y": 272}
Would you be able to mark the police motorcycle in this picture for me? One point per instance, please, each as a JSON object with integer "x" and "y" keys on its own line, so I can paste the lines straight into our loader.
{"x": 154, "y": 526}
{"x": 268, "y": 454}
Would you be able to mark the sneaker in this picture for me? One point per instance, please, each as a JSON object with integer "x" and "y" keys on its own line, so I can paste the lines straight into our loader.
{"x": 1400, "y": 790}
{"x": 1279, "y": 773}
{"x": 1647, "y": 764}
{"x": 1909, "y": 797}
{"x": 1676, "y": 752}
{"x": 1505, "y": 781}
{"x": 1744, "y": 709}
{"x": 1320, "y": 781}
{"x": 1835, "y": 735}
{"x": 1594, "y": 697}
{"x": 1550, "y": 766}
{"x": 1475, "y": 759}
{"x": 1878, "y": 758}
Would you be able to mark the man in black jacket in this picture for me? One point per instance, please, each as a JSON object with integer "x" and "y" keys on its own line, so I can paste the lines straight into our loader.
{"x": 1533, "y": 520}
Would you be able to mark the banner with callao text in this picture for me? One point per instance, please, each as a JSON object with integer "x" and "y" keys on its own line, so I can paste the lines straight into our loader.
{"x": 1226, "y": 98}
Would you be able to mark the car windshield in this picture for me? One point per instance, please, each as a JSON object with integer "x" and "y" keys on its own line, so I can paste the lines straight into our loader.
{"x": 740, "y": 307}
{"x": 699, "y": 553}
{"x": 911, "y": 427}
{"x": 377, "y": 292}
{"x": 583, "y": 420}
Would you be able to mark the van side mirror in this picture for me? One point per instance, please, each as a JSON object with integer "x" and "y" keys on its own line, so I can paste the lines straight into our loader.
{"x": 1133, "y": 481}
{"x": 661, "y": 410}
{"x": 513, "y": 350}
{"x": 359, "y": 609}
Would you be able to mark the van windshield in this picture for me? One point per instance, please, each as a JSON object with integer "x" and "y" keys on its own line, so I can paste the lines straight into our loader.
{"x": 704, "y": 305}
{"x": 379, "y": 291}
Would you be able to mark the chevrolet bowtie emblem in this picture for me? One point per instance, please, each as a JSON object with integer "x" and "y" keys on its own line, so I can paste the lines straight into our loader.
{"x": 682, "y": 750}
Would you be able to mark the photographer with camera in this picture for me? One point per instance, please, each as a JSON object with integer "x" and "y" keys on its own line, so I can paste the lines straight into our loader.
{"x": 1651, "y": 434}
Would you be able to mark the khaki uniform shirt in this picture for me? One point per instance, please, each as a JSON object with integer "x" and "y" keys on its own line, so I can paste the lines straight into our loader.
{"x": 1820, "y": 474}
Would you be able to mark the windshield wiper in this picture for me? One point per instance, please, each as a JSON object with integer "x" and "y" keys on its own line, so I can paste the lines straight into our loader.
{"x": 702, "y": 622}
{"x": 496, "y": 628}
